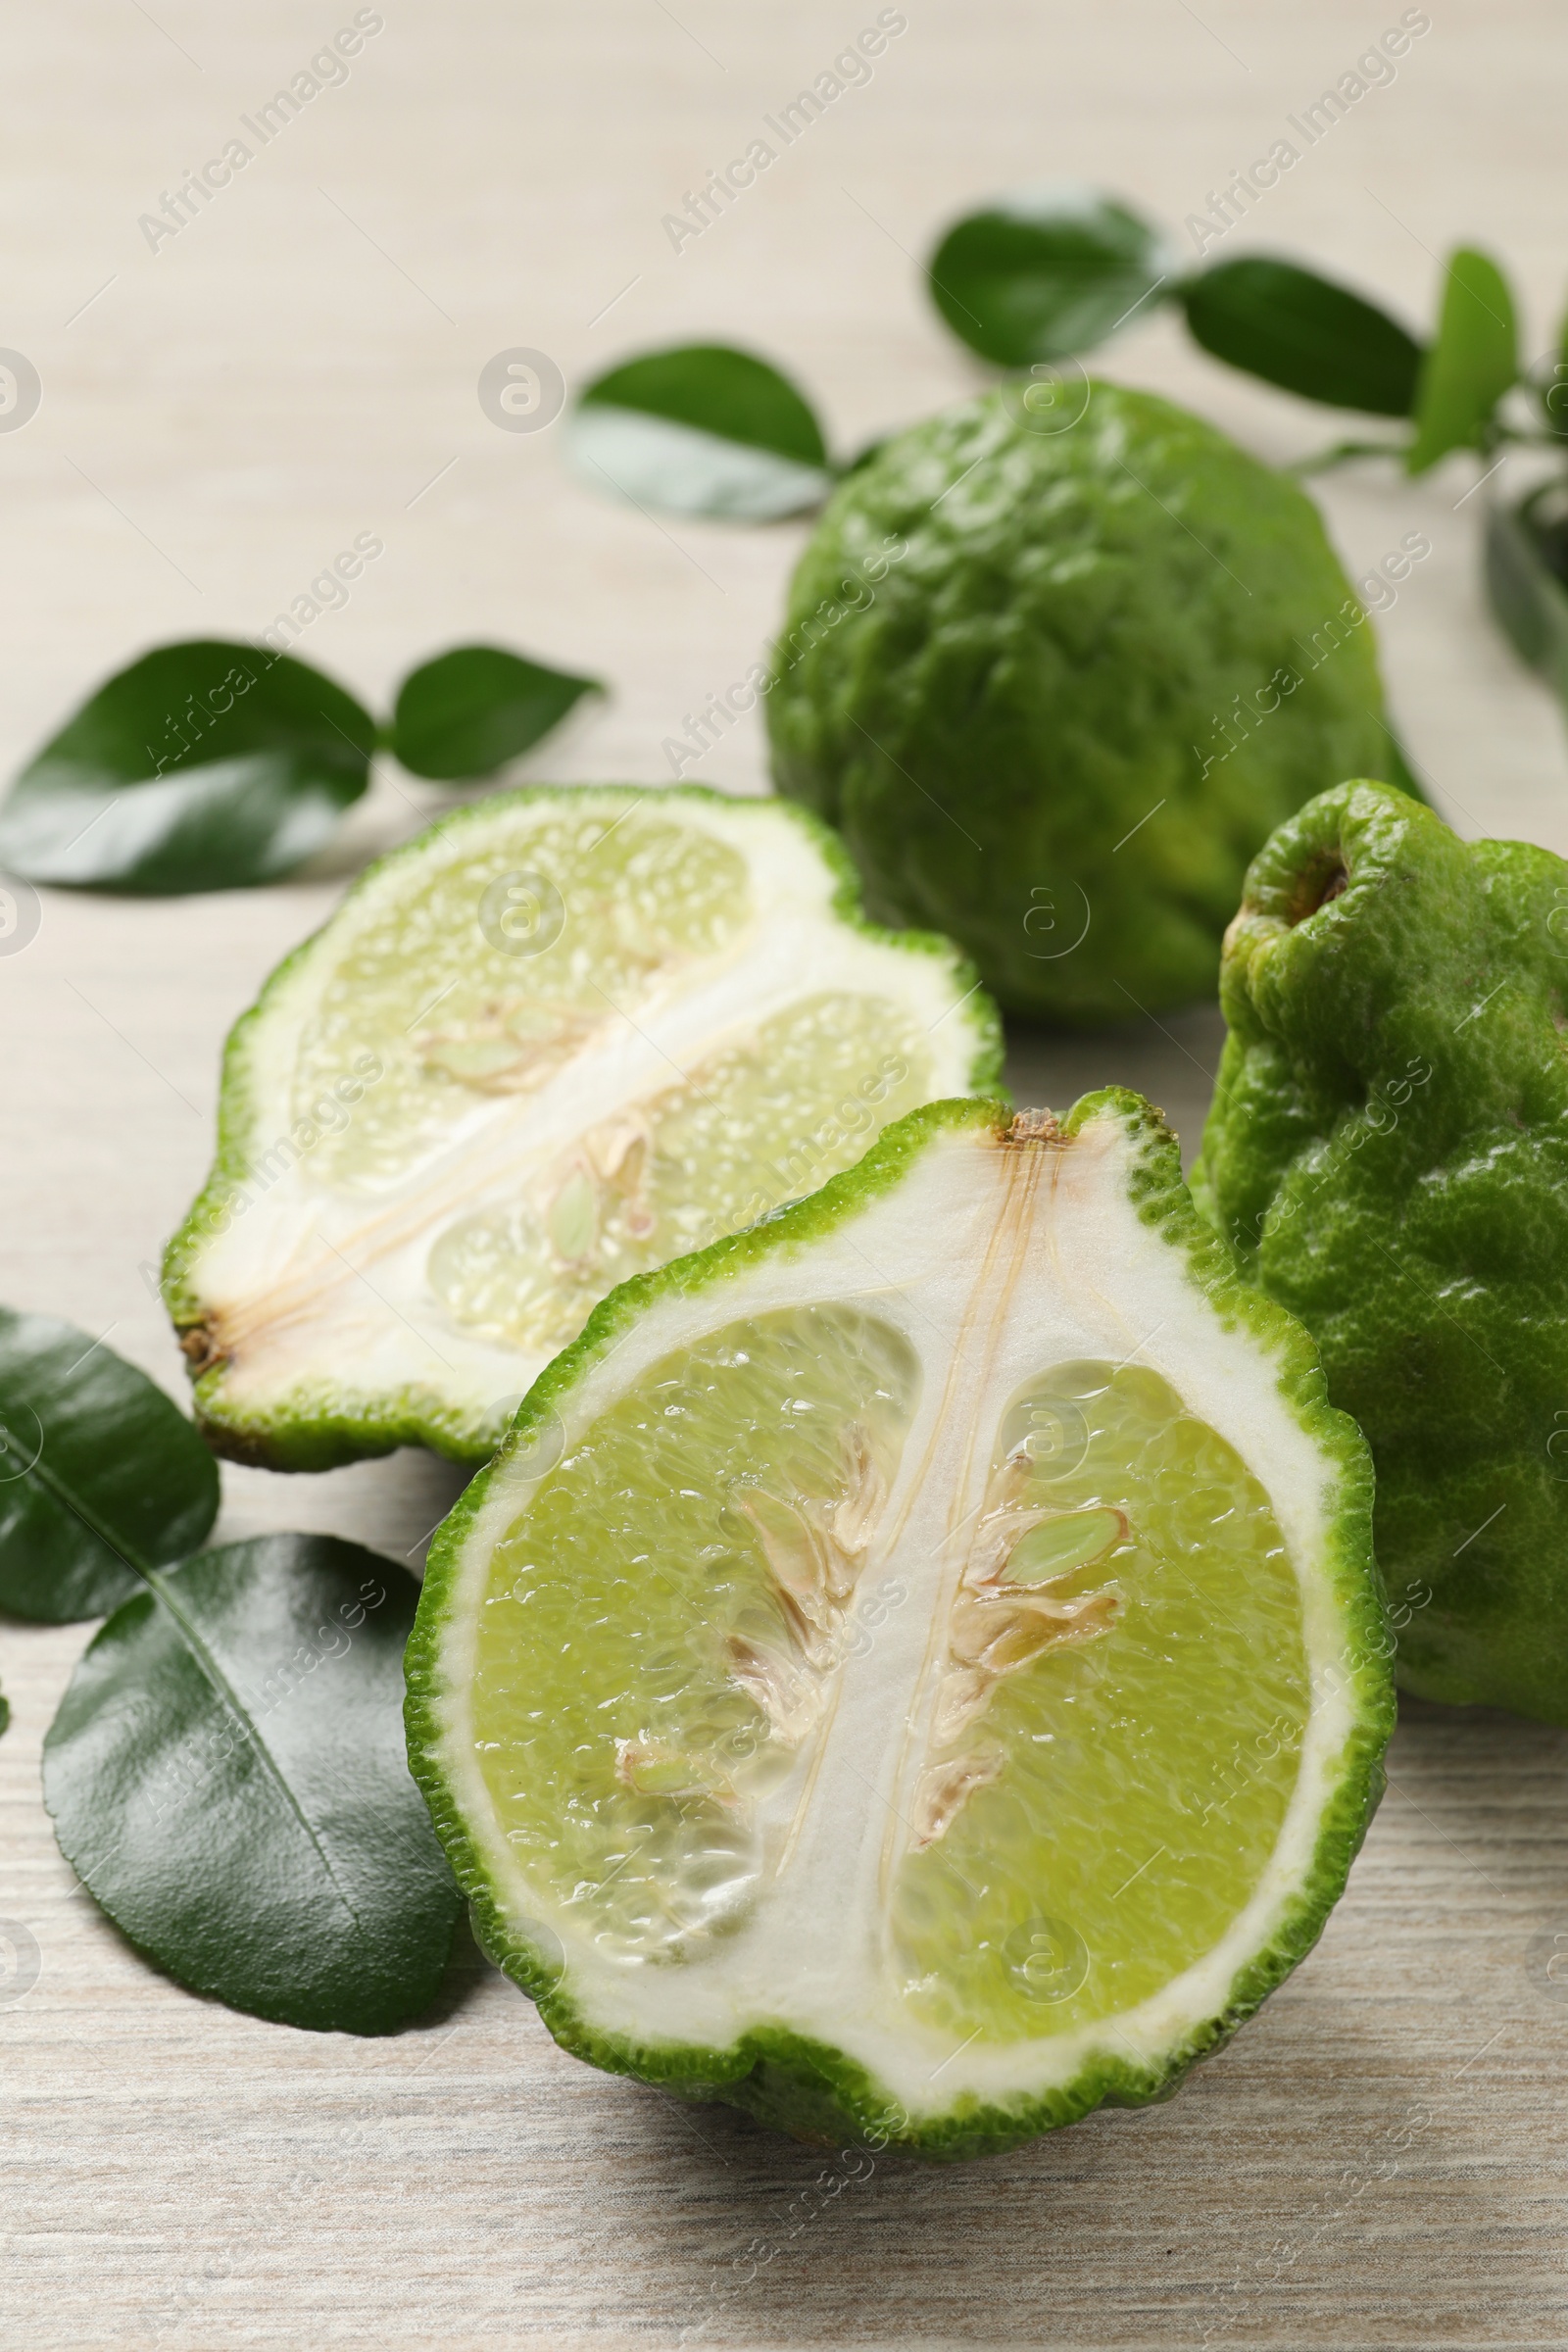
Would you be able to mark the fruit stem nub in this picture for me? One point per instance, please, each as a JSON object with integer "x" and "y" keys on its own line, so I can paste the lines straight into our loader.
{"x": 1034, "y": 1127}
{"x": 1322, "y": 882}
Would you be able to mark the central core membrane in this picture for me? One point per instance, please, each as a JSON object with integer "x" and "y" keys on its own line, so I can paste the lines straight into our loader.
{"x": 1097, "y": 1746}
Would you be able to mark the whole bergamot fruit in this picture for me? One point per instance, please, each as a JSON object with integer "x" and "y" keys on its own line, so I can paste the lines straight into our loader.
{"x": 1388, "y": 1147}
{"x": 1058, "y": 675}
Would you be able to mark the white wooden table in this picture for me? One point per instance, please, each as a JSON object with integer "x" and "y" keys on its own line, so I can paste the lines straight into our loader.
{"x": 1378, "y": 2159}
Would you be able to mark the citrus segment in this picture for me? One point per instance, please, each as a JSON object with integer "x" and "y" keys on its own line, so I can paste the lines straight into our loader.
{"x": 498, "y": 974}
{"x": 711, "y": 1528}
{"x": 1118, "y": 1717}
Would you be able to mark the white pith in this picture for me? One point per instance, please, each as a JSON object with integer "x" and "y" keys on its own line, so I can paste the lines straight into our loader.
{"x": 994, "y": 1264}
{"x": 310, "y": 1287}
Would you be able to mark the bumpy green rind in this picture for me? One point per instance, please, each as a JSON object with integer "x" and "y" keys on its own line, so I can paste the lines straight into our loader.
{"x": 1036, "y": 668}
{"x": 806, "y": 2088}
{"x": 1388, "y": 1147}
{"x": 329, "y": 1424}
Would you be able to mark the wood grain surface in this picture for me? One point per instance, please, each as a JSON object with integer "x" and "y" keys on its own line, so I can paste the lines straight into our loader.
{"x": 1380, "y": 2157}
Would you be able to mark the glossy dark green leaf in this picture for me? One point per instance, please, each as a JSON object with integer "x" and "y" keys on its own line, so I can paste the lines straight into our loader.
{"x": 99, "y": 1473}
{"x": 203, "y": 766}
{"x": 1471, "y": 365}
{"x": 1527, "y": 565}
{"x": 227, "y": 1774}
{"x": 1038, "y": 277}
{"x": 1305, "y": 333}
{"x": 471, "y": 710}
{"x": 701, "y": 429}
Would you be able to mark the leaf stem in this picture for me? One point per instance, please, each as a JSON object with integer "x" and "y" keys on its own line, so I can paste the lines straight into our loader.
{"x": 1341, "y": 452}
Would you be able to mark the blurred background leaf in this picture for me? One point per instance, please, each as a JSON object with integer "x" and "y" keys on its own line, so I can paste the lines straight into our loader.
{"x": 1527, "y": 568}
{"x": 1471, "y": 365}
{"x": 468, "y": 711}
{"x": 1043, "y": 276}
{"x": 1554, "y": 391}
{"x": 701, "y": 429}
{"x": 1305, "y": 333}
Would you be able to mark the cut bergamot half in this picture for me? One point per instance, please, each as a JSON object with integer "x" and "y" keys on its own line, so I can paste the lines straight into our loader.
{"x": 561, "y": 1038}
{"x": 915, "y": 1670}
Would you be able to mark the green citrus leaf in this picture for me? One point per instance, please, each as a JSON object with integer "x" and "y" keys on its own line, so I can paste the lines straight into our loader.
{"x": 1526, "y": 551}
{"x": 228, "y": 1776}
{"x": 701, "y": 429}
{"x": 1038, "y": 276}
{"x": 471, "y": 710}
{"x": 1305, "y": 333}
{"x": 99, "y": 1474}
{"x": 205, "y": 765}
{"x": 1471, "y": 365}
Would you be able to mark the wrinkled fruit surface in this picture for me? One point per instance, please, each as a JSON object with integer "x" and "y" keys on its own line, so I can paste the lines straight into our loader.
{"x": 1388, "y": 1147}
{"x": 915, "y": 1669}
{"x": 561, "y": 1038}
{"x": 1056, "y": 662}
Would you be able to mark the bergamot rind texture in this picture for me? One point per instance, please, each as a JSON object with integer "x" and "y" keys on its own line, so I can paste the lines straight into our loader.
{"x": 1387, "y": 1150}
{"x": 1057, "y": 662}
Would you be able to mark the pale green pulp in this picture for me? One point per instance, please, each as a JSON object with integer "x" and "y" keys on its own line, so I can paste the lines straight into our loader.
{"x": 765, "y": 1120}
{"x": 1142, "y": 1775}
{"x": 607, "y": 1608}
{"x": 1147, "y": 1772}
{"x": 614, "y": 910}
{"x": 423, "y": 985}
